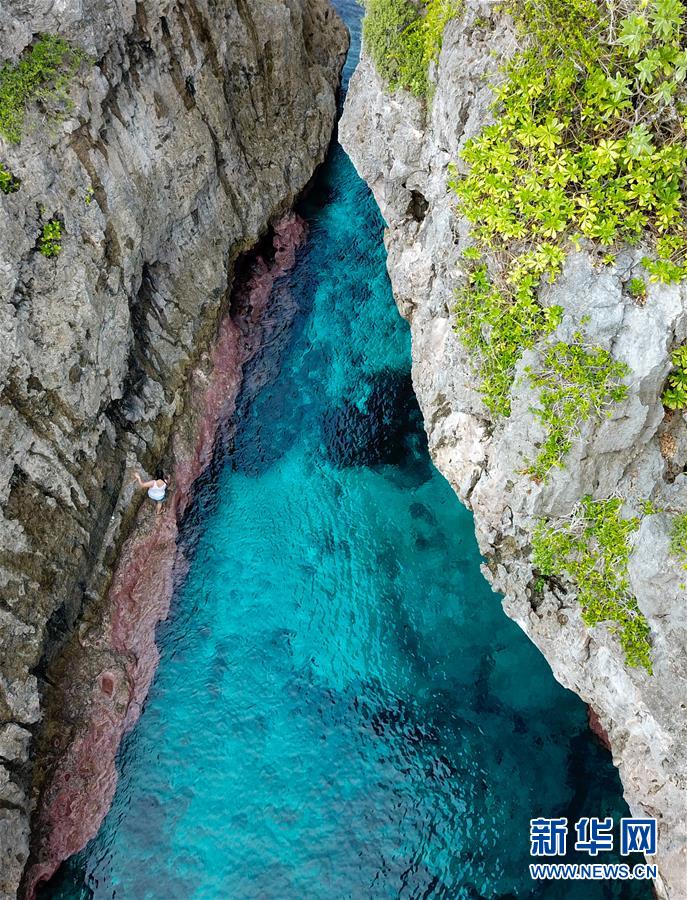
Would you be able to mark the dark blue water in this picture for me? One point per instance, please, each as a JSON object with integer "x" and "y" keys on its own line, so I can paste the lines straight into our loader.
{"x": 342, "y": 709}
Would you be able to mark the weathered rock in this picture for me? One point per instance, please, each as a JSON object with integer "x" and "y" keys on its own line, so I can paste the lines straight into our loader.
{"x": 193, "y": 126}
{"x": 14, "y": 742}
{"x": 403, "y": 150}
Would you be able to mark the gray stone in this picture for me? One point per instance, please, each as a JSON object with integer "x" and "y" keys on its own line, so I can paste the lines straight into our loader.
{"x": 14, "y": 849}
{"x": 657, "y": 578}
{"x": 14, "y": 742}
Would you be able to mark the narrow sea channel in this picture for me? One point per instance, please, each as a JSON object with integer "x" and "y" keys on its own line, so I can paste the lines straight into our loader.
{"x": 342, "y": 709}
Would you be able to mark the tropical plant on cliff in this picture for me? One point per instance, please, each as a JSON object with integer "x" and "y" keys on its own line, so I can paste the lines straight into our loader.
{"x": 404, "y": 37}
{"x": 499, "y": 321}
{"x": 678, "y": 538}
{"x": 576, "y": 381}
{"x": 592, "y": 548}
{"x": 589, "y": 142}
{"x": 637, "y": 289}
{"x": 9, "y": 183}
{"x": 49, "y": 242}
{"x": 41, "y": 75}
{"x": 675, "y": 394}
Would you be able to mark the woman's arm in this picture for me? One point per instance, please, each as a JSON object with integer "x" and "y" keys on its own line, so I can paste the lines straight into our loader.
{"x": 141, "y": 483}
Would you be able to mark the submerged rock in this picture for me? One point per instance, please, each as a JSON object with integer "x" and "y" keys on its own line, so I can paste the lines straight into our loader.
{"x": 373, "y": 431}
{"x": 403, "y": 148}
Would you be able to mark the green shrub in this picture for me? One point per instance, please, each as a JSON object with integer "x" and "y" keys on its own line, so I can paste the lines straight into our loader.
{"x": 438, "y": 13}
{"x": 49, "y": 242}
{"x": 499, "y": 325}
{"x": 592, "y": 548}
{"x": 637, "y": 288}
{"x": 678, "y": 538}
{"x": 577, "y": 382}
{"x": 403, "y": 39}
{"x": 590, "y": 135}
{"x": 675, "y": 394}
{"x": 41, "y": 74}
{"x": 9, "y": 183}
{"x": 649, "y": 508}
{"x": 588, "y": 142}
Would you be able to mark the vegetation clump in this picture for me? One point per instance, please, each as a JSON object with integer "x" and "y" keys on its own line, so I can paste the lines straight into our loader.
{"x": 49, "y": 242}
{"x": 589, "y": 142}
{"x": 576, "y": 382}
{"x": 590, "y": 132}
{"x": 403, "y": 38}
{"x": 637, "y": 288}
{"x": 678, "y": 538}
{"x": 42, "y": 74}
{"x": 9, "y": 183}
{"x": 649, "y": 508}
{"x": 500, "y": 323}
{"x": 592, "y": 548}
{"x": 675, "y": 394}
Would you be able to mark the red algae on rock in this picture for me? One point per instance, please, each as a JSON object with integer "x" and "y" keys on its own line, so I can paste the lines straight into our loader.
{"x": 81, "y": 780}
{"x": 597, "y": 728}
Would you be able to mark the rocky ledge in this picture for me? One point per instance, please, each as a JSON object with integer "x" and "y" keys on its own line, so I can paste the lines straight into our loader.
{"x": 403, "y": 150}
{"x": 190, "y": 128}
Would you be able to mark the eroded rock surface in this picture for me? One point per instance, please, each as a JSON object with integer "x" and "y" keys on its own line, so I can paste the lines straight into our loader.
{"x": 194, "y": 124}
{"x": 403, "y": 152}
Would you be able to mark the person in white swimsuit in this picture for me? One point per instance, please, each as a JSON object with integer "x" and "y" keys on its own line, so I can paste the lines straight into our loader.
{"x": 157, "y": 489}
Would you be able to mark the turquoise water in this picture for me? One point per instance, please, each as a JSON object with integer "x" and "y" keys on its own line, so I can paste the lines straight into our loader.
{"x": 341, "y": 709}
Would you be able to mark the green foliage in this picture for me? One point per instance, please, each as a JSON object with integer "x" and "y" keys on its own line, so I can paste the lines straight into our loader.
{"x": 396, "y": 54}
{"x": 576, "y": 382}
{"x": 9, "y": 183}
{"x": 678, "y": 538}
{"x": 42, "y": 74}
{"x": 675, "y": 394}
{"x": 89, "y": 195}
{"x": 588, "y": 143}
{"x": 637, "y": 288}
{"x": 499, "y": 325}
{"x": 592, "y": 548}
{"x": 49, "y": 243}
{"x": 649, "y": 508}
{"x": 403, "y": 40}
{"x": 587, "y": 139}
{"x": 438, "y": 13}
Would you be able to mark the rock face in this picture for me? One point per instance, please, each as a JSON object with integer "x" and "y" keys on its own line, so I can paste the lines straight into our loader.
{"x": 403, "y": 151}
{"x": 192, "y": 127}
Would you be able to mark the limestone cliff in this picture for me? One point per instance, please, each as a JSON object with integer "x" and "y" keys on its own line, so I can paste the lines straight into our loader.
{"x": 191, "y": 126}
{"x": 403, "y": 149}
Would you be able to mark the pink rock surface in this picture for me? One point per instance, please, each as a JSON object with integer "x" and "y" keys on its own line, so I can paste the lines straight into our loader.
{"x": 597, "y": 728}
{"x": 80, "y": 787}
